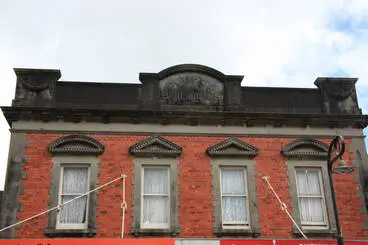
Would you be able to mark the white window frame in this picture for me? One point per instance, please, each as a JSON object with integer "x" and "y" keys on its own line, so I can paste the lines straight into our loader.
{"x": 155, "y": 225}
{"x": 306, "y": 224}
{"x": 64, "y": 226}
{"x": 236, "y": 225}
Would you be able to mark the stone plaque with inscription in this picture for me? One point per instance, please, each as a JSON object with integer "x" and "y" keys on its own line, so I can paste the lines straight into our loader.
{"x": 190, "y": 88}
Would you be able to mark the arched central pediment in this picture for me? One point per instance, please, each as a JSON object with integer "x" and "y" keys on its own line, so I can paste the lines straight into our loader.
{"x": 190, "y": 88}
{"x": 190, "y": 84}
{"x": 192, "y": 68}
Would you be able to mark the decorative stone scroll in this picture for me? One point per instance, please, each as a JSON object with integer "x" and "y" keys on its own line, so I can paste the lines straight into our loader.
{"x": 338, "y": 94}
{"x": 35, "y": 84}
{"x": 191, "y": 88}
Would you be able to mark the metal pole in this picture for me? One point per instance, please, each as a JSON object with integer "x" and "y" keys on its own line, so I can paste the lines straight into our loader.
{"x": 340, "y": 239}
{"x": 340, "y": 147}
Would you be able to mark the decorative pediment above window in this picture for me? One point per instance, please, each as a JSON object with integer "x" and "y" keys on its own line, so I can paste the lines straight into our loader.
{"x": 305, "y": 148}
{"x": 232, "y": 147}
{"x": 155, "y": 146}
{"x": 76, "y": 144}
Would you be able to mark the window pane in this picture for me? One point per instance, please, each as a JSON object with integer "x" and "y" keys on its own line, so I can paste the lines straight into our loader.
{"x": 75, "y": 180}
{"x": 232, "y": 181}
{"x": 156, "y": 181}
{"x": 301, "y": 179}
{"x": 155, "y": 210}
{"x": 233, "y": 209}
{"x": 308, "y": 182}
{"x": 311, "y": 209}
{"x": 75, "y": 211}
{"x": 313, "y": 182}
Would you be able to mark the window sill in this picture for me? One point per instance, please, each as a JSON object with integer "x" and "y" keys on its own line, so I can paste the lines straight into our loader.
{"x": 155, "y": 232}
{"x": 237, "y": 232}
{"x": 52, "y": 232}
{"x": 315, "y": 232}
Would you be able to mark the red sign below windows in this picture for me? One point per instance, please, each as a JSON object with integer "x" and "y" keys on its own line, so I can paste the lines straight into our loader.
{"x": 248, "y": 242}
{"x": 92, "y": 241}
{"x": 305, "y": 242}
{"x": 288, "y": 242}
{"x": 318, "y": 242}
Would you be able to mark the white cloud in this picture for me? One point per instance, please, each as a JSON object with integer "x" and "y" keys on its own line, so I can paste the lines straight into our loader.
{"x": 272, "y": 43}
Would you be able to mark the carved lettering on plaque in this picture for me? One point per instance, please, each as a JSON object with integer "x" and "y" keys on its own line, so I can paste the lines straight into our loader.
{"x": 191, "y": 89}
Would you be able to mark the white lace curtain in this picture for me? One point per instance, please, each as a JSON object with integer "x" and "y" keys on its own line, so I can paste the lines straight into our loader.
{"x": 155, "y": 196}
{"x": 233, "y": 196}
{"x": 75, "y": 183}
{"x": 310, "y": 195}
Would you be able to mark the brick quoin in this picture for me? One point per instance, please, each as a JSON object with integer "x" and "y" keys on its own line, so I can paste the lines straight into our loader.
{"x": 195, "y": 187}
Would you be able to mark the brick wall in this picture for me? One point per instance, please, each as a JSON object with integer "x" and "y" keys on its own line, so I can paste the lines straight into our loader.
{"x": 195, "y": 198}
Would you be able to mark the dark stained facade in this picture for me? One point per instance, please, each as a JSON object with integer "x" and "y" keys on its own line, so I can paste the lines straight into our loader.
{"x": 200, "y": 128}
{"x": 1, "y": 200}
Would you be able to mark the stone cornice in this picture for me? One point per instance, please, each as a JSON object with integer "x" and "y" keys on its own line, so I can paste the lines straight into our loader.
{"x": 227, "y": 118}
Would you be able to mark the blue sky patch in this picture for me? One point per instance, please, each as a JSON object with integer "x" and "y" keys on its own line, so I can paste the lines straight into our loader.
{"x": 347, "y": 24}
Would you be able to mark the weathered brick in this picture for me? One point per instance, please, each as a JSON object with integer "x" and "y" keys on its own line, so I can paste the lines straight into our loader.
{"x": 195, "y": 187}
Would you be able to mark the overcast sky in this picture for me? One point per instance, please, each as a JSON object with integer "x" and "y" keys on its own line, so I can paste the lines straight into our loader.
{"x": 272, "y": 43}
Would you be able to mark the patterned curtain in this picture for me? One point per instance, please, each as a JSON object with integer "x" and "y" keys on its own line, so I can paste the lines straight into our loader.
{"x": 75, "y": 183}
{"x": 310, "y": 195}
{"x": 155, "y": 196}
{"x": 233, "y": 196}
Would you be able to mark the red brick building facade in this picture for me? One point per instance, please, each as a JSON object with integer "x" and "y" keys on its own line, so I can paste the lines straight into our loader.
{"x": 198, "y": 139}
